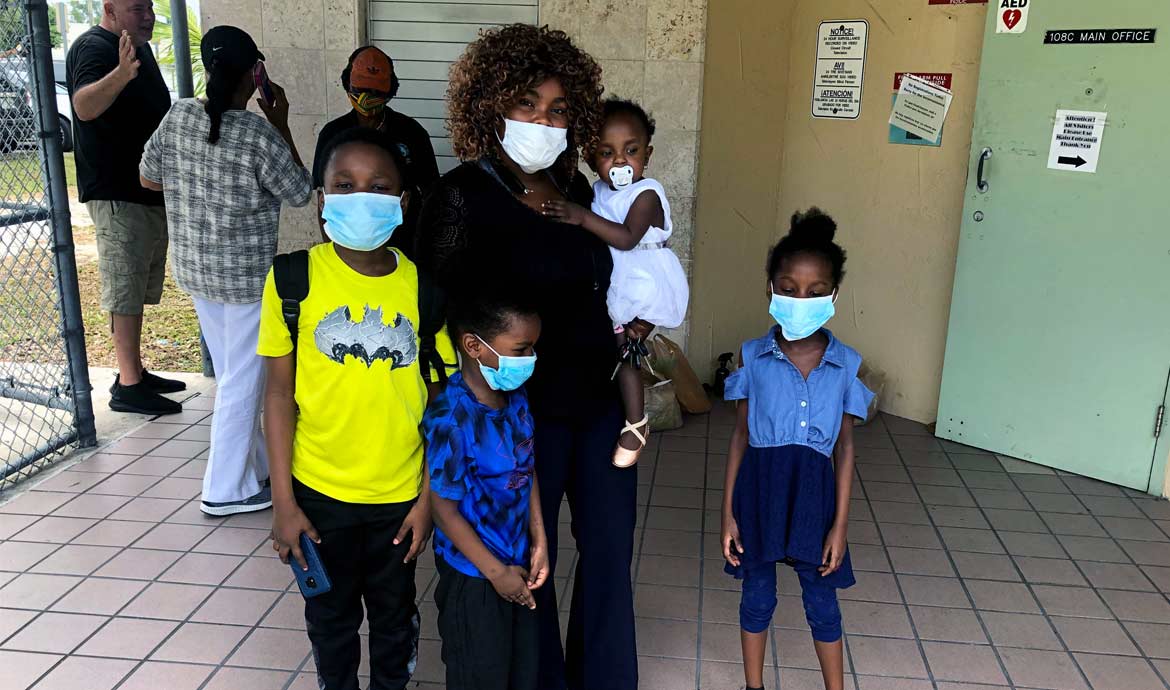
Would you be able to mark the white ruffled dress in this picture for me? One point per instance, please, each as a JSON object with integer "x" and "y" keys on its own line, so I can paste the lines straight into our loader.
{"x": 648, "y": 281}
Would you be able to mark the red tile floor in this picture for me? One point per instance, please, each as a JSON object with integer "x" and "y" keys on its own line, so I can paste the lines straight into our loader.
{"x": 973, "y": 572}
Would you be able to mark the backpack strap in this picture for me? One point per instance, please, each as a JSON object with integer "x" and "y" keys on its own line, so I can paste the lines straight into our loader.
{"x": 432, "y": 313}
{"x": 290, "y": 273}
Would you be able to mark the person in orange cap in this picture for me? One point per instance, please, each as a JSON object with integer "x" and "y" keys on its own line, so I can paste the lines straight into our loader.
{"x": 370, "y": 82}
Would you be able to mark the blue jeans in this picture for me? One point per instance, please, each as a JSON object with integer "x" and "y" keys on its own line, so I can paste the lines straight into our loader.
{"x": 759, "y": 600}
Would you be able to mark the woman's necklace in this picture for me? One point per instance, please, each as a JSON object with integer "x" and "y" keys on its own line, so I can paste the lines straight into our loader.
{"x": 512, "y": 182}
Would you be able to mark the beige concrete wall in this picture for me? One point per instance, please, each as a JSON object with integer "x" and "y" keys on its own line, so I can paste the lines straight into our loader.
{"x": 651, "y": 51}
{"x": 898, "y": 207}
{"x": 306, "y": 44}
{"x": 745, "y": 98}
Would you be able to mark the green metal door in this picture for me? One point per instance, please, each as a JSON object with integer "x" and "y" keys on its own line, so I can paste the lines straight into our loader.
{"x": 1059, "y": 342}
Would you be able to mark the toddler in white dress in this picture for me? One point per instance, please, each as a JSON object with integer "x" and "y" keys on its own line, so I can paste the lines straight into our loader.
{"x": 648, "y": 287}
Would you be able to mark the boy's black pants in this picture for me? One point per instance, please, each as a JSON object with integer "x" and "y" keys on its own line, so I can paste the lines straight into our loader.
{"x": 358, "y": 551}
{"x": 488, "y": 643}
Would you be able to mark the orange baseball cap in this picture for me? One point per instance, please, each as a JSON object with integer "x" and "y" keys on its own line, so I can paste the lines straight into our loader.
{"x": 371, "y": 70}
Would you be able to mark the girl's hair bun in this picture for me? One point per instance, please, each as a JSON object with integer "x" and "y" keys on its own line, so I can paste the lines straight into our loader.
{"x": 812, "y": 232}
{"x": 813, "y": 225}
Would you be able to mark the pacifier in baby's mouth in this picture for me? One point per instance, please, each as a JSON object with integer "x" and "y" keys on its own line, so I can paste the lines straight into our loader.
{"x": 621, "y": 176}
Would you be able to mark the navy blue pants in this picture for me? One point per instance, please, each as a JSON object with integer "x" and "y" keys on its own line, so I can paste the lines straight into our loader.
{"x": 366, "y": 567}
{"x": 759, "y": 600}
{"x": 574, "y": 457}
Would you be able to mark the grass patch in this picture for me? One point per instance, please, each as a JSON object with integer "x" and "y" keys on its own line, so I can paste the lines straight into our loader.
{"x": 20, "y": 176}
{"x": 29, "y": 324}
{"x": 170, "y": 330}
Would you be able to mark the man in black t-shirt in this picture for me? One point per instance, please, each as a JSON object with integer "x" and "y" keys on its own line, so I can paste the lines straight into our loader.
{"x": 370, "y": 83}
{"x": 119, "y": 97}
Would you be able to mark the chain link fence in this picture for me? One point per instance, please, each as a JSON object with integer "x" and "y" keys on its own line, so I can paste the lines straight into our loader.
{"x": 45, "y": 404}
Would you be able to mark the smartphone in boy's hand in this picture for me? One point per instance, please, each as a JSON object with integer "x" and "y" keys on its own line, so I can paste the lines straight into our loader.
{"x": 314, "y": 581}
{"x": 263, "y": 84}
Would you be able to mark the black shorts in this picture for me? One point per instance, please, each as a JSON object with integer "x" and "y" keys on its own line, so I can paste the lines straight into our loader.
{"x": 488, "y": 643}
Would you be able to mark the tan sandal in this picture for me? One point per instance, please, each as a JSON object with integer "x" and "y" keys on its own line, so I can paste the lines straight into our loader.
{"x": 624, "y": 457}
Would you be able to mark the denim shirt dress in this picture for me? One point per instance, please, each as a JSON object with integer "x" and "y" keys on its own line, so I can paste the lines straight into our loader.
{"x": 785, "y": 495}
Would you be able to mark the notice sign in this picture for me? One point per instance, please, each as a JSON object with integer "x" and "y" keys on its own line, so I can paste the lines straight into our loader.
{"x": 1012, "y": 17}
{"x": 900, "y": 136}
{"x": 1063, "y": 37}
{"x": 841, "y": 47}
{"x": 1076, "y": 141}
{"x": 921, "y": 108}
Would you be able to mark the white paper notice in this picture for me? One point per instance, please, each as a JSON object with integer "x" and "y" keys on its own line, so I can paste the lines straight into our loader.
{"x": 921, "y": 108}
{"x": 1012, "y": 16}
{"x": 840, "y": 68}
{"x": 1076, "y": 141}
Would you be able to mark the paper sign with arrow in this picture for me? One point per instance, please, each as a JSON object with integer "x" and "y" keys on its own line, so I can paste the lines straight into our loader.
{"x": 1076, "y": 140}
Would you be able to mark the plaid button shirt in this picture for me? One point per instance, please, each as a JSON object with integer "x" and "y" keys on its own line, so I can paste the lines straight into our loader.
{"x": 223, "y": 200}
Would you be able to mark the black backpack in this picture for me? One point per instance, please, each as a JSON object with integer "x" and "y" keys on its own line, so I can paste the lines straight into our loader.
{"x": 290, "y": 273}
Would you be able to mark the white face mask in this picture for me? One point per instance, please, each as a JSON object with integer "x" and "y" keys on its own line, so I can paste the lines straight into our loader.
{"x": 533, "y": 147}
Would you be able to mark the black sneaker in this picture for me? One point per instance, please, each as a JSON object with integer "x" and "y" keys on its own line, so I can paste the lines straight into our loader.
{"x": 261, "y": 501}
{"x": 160, "y": 385}
{"x": 155, "y": 383}
{"x": 139, "y": 399}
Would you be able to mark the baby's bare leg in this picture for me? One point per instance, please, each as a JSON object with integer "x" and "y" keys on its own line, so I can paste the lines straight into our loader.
{"x": 633, "y": 400}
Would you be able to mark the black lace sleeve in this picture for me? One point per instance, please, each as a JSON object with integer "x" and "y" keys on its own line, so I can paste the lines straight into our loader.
{"x": 442, "y": 231}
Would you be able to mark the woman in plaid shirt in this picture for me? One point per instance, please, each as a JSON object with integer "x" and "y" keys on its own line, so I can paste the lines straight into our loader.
{"x": 225, "y": 172}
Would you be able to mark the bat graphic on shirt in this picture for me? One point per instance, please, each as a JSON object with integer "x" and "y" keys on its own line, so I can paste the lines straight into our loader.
{"x": 338, "y": 335}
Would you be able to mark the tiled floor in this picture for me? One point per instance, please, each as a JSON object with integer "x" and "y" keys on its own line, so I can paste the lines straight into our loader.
{"x": 972, "y": 572}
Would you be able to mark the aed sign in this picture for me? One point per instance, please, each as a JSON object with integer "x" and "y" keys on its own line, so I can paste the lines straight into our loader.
{"x": 1098, "y": 36}
{"x": 1012, "y": 16}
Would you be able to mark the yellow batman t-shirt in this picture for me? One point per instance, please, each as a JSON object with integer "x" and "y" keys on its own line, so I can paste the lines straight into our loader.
{"x": 359, "y": 390}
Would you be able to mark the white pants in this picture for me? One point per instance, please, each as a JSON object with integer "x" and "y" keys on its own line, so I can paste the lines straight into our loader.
{"x": 238, "y": 464}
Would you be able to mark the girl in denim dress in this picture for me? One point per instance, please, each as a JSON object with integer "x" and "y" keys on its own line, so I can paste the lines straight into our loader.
{"x": 790, "y": 465}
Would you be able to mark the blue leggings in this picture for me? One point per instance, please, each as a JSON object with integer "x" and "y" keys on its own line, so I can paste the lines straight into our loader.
{"x": 759, "y": 600}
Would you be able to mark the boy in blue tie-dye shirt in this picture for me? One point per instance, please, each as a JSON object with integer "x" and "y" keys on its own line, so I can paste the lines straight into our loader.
{"x": 490, "y": 545}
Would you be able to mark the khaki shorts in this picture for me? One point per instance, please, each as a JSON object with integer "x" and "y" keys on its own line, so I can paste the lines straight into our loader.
{"x": 132, "y": 254}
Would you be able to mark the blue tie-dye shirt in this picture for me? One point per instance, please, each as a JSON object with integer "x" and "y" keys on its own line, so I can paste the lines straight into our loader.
{"x": 482, "y": 459}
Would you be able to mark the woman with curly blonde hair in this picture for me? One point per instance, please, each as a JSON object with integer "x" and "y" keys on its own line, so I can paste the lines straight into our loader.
{"x": 523, "y": 100}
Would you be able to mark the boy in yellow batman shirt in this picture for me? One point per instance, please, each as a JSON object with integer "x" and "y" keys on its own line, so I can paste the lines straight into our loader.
{"x": 342, "y": 414}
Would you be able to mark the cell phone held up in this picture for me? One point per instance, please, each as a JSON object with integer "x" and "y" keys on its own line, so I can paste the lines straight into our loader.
{"x": 314, "y": 581}
{"x": 263, "y": 84}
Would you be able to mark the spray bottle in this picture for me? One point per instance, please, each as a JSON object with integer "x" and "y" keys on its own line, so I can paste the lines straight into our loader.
{"x": 723, "y": 372}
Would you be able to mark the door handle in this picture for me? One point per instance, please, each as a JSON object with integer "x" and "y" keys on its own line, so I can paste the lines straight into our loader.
{"x": 982, "y": 185}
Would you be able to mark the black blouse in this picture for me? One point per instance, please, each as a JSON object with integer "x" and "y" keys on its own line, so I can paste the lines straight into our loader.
{"x": 473, "y": 226}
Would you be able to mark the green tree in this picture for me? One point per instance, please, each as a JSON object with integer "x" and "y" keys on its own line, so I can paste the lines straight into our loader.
{"x": 166, "y": 46}
{"x": 85, "y": 11}
{"x": 54, "y": 30}
{"x": 14, "y": 28}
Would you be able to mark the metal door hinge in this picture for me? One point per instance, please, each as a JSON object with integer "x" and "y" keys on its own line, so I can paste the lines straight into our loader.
{"x": 1158, "y": 419}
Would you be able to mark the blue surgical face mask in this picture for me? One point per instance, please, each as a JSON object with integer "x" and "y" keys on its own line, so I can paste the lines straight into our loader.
{"x": 361, "y": 221}
{"x": 800, "y": 318}
{"x": 511, "y": 373}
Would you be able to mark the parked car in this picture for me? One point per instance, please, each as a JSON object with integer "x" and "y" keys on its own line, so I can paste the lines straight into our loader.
{"x": 65, "y": 117}
{"x": 17, "y": 118}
